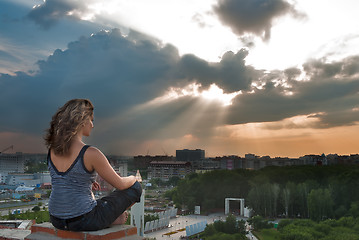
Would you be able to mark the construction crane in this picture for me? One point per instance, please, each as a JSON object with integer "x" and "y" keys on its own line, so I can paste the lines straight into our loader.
{"x": 11, "y": 147}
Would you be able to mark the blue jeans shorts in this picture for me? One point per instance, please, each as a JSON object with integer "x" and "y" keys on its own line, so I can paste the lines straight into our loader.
{"x": 107, "y": 210}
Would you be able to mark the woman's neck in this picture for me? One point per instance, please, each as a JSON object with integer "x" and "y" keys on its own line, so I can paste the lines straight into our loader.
{"x": 77, "y": 139}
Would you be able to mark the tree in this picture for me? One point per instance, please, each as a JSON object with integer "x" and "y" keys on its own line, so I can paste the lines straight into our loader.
{"x": 275, "y": 189}
{"x": 36, "y": 209}
{"x": 286, "y": 200}
{"x": 231, "y": 225}
{"x": 11, "y": 216}
{"x": 303, "y": 192}
{"x": 173, "y": 181}
{"x": 320, "y": 204}
{"x": 354, "y": 209}
{"x": 149, "y": 218}
{"x": 48, "y": 193}
{"x": 260, "y": 189}
{"x": 210, "y": 230}
{"x": 283, "y": 223}
{"x": 258, "y": 223}
{"x": 157, "y": 182}
{"x": 293, "y": 211}
{"x": 229, "y": 229}
{"x": 34, "y": 167}
{"x": 261, "y": 198}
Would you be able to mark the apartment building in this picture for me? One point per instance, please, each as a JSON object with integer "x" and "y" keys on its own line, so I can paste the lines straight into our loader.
{"x": 167, "y": 169}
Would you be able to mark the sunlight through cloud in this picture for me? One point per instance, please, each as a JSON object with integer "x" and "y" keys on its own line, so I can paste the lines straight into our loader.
{"x": 213, "y": 93}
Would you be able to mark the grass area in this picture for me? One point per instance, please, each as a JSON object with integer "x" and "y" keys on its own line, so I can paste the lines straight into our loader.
{"x": 39, "y": 216}
{"x": 267, "y": 234}
{"x": 18, "y": 206}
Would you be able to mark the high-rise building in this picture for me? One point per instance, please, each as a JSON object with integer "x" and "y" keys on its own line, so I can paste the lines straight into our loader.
{"x": 195, "y": 157}
{"x": 12, "y": 163}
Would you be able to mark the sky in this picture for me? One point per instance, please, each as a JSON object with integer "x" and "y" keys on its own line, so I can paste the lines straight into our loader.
{"x": 231, "y": 77}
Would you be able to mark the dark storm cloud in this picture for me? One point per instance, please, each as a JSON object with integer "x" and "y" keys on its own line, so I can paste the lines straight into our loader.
{"x": 47, "y": 14}
{"x": 231, "y": 73}
{"x": 319, "y": 69}
{"x": 331, "y": 90}
{"x": 21, "y": 38}
{"x": 122, "y": 75}
{"x": 117, "y": 73}
{"x": 253, "y": 16}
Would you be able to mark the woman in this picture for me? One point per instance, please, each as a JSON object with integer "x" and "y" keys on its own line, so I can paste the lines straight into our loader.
{"x": 73, "y": 167}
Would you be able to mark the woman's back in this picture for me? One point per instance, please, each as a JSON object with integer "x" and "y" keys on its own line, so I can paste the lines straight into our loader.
{"x": 71, "y": 194}
{"x": 64, "y": 162}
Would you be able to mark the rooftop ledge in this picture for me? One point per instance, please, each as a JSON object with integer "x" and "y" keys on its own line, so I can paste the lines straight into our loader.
{"x": 45, "y": 231}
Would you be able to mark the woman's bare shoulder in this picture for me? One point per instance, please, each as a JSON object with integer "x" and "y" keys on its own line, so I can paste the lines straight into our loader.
{"x": 94, "y": 150}
{"x": 94, "y": 153}
{"x": 93, "y": 157}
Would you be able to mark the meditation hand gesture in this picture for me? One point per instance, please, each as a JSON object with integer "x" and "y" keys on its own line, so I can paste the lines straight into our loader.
{"x": 96, "y": 186}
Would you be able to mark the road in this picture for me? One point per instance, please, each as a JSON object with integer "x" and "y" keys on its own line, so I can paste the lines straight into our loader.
{"x": 4, "y": 208}
{"x": 181, "y": 222}
{"x": 251, "y": 236}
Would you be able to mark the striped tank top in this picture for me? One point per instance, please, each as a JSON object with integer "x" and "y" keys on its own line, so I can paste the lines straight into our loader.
{"x": 71, "y": 194}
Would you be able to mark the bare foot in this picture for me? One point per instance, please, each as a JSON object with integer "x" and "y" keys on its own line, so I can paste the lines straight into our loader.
{"x": 121, "y": 219}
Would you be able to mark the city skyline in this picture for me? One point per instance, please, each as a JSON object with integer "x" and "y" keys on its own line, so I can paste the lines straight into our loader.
{"x": 277, "y": 78}
{"x": 160, "y": 157}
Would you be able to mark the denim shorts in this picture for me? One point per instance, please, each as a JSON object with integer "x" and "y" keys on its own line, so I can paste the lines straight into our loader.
{"x": 107, "y": 210}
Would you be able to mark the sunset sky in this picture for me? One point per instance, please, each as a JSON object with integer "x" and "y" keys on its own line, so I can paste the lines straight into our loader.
{"x": 267, "y": 77}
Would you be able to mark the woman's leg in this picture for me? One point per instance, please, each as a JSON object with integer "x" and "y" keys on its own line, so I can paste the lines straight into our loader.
{"x": 122, "y": 219}
{"x": 123, "y": 200}
{"x": 110, "y": 208}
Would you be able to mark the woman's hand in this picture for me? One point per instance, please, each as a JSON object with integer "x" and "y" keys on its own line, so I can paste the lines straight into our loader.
{"x": 95, "y": 158}
{"x": 132, "y": 179}
{"x": 96, "y": 186}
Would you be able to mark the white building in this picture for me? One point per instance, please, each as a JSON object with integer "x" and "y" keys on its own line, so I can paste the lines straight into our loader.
{"x": 3, "y": 176}
{"x": 122, "y": 169}
{"x": 28, "y": 179}
{"x": 44, "y": 177}
{"x": 12, "y": 163}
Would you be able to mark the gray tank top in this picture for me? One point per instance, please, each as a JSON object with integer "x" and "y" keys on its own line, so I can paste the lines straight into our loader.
{"x": 71, "y": 194}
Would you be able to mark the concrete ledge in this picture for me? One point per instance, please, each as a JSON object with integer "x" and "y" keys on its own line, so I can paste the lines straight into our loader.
{"x": 47, "y": 231}
{"x": 13, "y": 233}
{"x": 17, "y": 224}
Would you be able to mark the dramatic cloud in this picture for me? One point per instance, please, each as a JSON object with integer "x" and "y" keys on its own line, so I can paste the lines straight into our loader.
{"x": 51, "y": 11}
{"x": 119, "y": 74}
{"x": 144, "y": 91}
{"x": 254, "y": 17}
{"x": 22, "y": 42}
{"x": 231, "y": 73}
{"x": 329, "y": 89}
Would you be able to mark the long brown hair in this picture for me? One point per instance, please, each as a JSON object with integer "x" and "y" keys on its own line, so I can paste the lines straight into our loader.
{"x": 66, "y": 123}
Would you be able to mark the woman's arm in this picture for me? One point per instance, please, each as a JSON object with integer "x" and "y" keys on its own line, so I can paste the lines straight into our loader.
{"x": 95, "y": 160}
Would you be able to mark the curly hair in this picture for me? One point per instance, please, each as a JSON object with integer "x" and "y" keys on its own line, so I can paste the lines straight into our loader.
{"x": 65, "y": 124}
